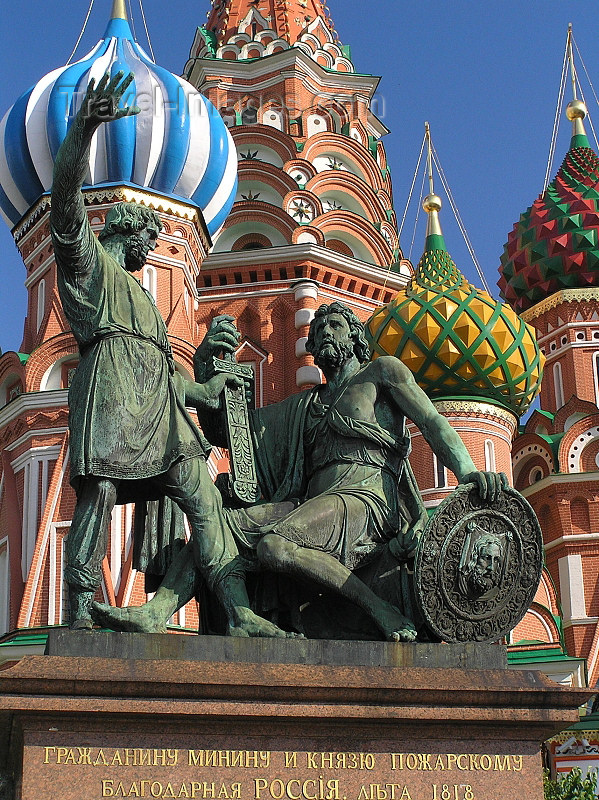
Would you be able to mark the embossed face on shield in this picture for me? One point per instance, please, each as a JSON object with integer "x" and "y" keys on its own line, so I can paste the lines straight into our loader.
{"x": 482, "y": 562}
{"x": 485, "y": 572}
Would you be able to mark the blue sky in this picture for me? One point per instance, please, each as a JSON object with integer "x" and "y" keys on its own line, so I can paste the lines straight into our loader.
{"x": 484, "y": 74}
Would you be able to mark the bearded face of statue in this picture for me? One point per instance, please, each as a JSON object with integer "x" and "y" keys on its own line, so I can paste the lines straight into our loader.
{"x": 333, "y": 342}
{"x": 138, "y": 246}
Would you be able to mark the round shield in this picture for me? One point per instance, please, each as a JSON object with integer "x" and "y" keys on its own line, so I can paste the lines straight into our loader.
{"x": 478, "y": 565}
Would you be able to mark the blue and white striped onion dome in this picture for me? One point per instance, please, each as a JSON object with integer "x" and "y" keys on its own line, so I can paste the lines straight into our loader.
{"x": 178, "y": 146}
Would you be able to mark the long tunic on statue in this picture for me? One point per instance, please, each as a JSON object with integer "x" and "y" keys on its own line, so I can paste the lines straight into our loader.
{"x": 310, "y": 451}
{"x": 127, "y": 415}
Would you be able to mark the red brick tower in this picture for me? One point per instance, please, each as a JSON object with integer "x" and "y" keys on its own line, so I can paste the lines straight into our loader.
{"x": 550, "y": 275}
{"x": 313, "y": 219}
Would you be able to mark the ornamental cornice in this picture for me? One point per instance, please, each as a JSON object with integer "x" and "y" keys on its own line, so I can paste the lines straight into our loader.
{"x": 309, "y": 252}
{"x": 287, "y": 60}
{"x": 556, "y": 299}
{"x": 476, "y": 407}
{"x": 127, "y": 194}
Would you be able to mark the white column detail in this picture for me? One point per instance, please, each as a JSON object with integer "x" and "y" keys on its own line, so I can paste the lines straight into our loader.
{"x": 33, "y": 463}
{"x": 305, "y": 289}
{"x": 300, "y": 347}
{"x": 303, "y": 317}
{"x": 571, "y": 582}
{"x": 116, "y": 555}
{"x": 308, "y": 376}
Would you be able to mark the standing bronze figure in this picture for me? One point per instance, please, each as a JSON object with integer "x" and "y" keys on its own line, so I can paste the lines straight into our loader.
{"x": 130, "y": 434}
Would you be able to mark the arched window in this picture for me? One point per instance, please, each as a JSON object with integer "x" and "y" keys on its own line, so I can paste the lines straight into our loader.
{"x": 558, "y": 386}
{"x": 149, "y": 281}
{"x": 440, "y": 473}
{"x": 41, "y": 303}
{"x": 489, "y": 456}
{"x": 249, "y": 116}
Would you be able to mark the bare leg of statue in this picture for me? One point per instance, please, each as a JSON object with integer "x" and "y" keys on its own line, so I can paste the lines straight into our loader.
{"x": 282, "y": 555}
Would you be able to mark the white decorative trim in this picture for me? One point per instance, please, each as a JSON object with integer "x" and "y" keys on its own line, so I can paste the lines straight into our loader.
{"x": 129, "y": 589}
{"x": 577, "y": 477}
{"x": 30, "y": 434}
{"x": 278, "y": 65}
{"x": 476, "y": 407}
{"x": 455, "y": 424}
{"x": 45, "y": 453}
{"x": 577, "y": 447}
{"x": 543, "y": 622}
{"x": 572, "y": 623}
{"x": 533, "y": 450}
{"x": 33, "y": 401}
{"x": 44, "y": 540}
{"x": 573, "y": 539}
{"x": 55, "y": 592}
{"x": 306, "y": 289}
{"x": 556, "y": 299}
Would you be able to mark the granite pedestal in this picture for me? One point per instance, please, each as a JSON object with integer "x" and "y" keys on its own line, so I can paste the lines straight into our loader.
{"x": 128, "y": 715}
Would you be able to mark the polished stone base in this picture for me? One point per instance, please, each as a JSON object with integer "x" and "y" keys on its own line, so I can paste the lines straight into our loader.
{"x": 252, "y": 723}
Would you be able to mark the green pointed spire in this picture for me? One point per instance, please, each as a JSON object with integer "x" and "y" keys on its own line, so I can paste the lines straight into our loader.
{"x": 576, "y": 111}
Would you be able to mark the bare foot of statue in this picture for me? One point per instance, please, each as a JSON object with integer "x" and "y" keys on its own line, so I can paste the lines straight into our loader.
{"x": 131, "y": 619}
{"x": 248, "y": 624}
{"x": 394, "y": 626}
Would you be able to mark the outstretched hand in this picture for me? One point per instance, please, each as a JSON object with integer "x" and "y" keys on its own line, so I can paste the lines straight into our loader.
{"x": 489, "y": 484}
{"x": 101, "y": 103}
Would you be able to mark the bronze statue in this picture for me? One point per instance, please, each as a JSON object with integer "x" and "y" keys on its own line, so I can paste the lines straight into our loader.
{"x": 341, "y": 450}
{"x": 130, "y": 434}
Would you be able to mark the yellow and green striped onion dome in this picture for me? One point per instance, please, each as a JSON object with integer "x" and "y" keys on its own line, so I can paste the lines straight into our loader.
{"x": 455, "y": 338}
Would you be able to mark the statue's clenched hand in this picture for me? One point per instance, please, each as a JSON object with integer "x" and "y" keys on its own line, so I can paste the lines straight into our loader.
{"x": 222, "y": 337}
{"x": 101, "y": 102}
{"x": 489, "y": 484}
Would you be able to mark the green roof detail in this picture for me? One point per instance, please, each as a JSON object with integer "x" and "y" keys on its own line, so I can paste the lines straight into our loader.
{"x": 210, "y": 39}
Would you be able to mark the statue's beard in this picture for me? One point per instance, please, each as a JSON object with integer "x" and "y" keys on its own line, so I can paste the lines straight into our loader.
{"x": 333, "y": 354}
{"x": 136, "y": 253}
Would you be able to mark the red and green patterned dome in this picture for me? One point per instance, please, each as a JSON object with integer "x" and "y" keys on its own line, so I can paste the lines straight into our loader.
{"x": 455, "y": 338}
{"x": 555, "y": 245}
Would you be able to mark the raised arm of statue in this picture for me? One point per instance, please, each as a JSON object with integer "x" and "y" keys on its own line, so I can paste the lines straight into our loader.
{"x": 71, "y": 231}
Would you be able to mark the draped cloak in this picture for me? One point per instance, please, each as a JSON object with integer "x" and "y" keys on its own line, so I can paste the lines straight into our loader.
{"x": 306, "y": 450}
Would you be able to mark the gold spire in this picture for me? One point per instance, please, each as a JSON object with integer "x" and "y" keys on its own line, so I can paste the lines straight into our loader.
{"x": 119, "y": 10}
{"x": 432, "y": 202}
{"x": 576, "y": 111}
